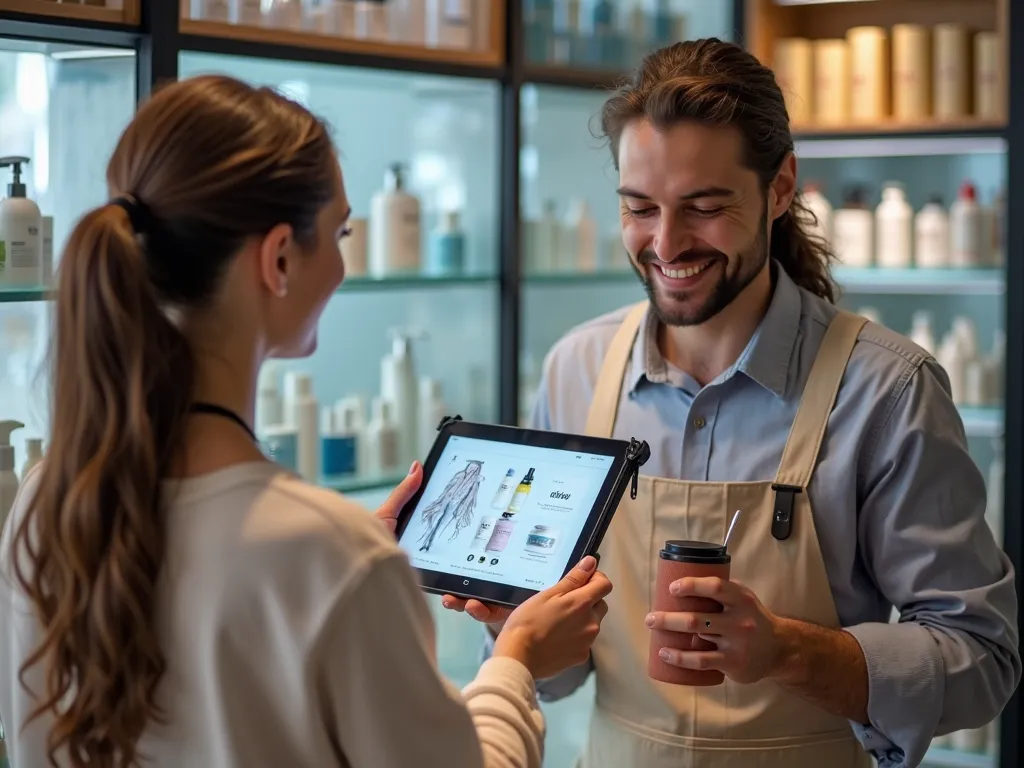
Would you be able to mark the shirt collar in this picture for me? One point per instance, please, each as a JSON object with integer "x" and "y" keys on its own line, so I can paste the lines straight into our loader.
{"x": 765, "y": 360}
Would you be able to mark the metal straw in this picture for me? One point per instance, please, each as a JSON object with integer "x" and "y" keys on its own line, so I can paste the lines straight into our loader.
{"x": 735, "y": 517}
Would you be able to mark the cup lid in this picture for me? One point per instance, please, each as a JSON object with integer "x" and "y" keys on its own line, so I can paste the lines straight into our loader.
{"x": 696, "y": 551}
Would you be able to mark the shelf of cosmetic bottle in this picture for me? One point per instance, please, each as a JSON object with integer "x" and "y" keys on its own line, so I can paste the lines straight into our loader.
{"x": 261, "y": 42}
{"x": 21, "y": 293}
{"x": 411, "y": 282}
{"x": 925, "y": 145}
{"x": 363, "y": 483}
{"x": 950, "y": 758}
{"x": 572, "y": 77}
{"x": 982, "y": 422}
{"x": 109, "y": 12}
{"x": 914, "y": 281}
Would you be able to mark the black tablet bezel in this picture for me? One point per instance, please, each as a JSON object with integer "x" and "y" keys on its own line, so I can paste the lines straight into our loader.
{"x": 593, "y": 531}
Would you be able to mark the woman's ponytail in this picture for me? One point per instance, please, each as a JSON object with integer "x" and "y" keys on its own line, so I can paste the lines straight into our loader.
{"x": 90, "y": 551}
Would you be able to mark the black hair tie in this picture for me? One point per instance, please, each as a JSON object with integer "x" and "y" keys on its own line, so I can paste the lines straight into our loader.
{"x": 139, "y": 215}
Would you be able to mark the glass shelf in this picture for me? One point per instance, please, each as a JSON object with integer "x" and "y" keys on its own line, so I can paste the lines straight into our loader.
{"x": 15, "y": 294}
{"x": 103, "y": 11}
{"x": 948, "y": 758}
{"x": 932, "y": 129}
{"x": 977, "y": 282}
{"x": 384, "y": 36}
{"x": 360, "y": 284}
{"x": 874, "y": 281}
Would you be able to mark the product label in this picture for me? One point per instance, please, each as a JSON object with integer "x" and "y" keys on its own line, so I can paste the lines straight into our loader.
{"x": 3, "y": 255}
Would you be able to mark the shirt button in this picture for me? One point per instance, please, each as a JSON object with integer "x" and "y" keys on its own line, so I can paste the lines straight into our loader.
{"x": 699, "y": 422}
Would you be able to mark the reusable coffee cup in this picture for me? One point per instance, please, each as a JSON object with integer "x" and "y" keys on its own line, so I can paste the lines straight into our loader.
{"x": 677, "y": 560}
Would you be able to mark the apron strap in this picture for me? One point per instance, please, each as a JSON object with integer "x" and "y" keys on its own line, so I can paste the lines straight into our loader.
{"x": 800, "y": 455}
{"x": 604, "y": 406}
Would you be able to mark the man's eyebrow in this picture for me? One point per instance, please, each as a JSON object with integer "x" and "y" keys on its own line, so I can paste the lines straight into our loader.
{"x": 695, "y": 195}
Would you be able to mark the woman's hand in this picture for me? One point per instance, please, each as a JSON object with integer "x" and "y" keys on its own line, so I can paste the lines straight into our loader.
{"x": 387, "y": 513}
{"x": 554, "y": 629}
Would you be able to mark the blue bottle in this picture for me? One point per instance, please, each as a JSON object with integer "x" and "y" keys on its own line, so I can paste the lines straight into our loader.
{"x": 446, "y": 251}
{"x": 604, "y": 43}
{"x": 282, "y": 446}
{"x": 338, "y": 454}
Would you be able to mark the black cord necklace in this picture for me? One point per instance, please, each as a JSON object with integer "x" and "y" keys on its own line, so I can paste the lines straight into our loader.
{"x": 225, "y": 413}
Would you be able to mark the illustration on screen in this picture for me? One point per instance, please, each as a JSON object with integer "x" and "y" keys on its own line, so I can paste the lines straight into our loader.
{"x": 455, "y": 506}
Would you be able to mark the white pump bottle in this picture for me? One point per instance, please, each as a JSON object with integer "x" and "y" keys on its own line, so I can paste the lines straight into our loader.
{"x": 8, "y": 477}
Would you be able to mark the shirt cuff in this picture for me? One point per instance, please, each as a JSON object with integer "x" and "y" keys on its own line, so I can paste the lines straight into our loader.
{"x": 906, "y": 685}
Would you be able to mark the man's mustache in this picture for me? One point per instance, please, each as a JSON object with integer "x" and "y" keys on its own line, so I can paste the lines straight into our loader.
{"x": 687, "y": 258}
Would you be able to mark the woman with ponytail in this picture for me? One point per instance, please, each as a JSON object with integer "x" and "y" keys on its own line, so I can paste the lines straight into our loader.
{"x": 168, "y": 596}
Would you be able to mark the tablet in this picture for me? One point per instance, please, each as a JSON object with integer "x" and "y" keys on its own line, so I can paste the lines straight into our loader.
{"x": 504, "y": 513}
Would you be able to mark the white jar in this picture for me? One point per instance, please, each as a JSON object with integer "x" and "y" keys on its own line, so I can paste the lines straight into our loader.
{"x": 894, "y": 225}
{"x": 543, "y": 539}
{"x": 931, "y": 242}
{"x": 853, "y": 232}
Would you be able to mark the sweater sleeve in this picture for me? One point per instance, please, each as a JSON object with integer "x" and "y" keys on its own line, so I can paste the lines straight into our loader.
{"x": 385, "y": 702}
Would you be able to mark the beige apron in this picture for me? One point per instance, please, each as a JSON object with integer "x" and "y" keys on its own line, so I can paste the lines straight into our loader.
{"x": 639, "y": 723}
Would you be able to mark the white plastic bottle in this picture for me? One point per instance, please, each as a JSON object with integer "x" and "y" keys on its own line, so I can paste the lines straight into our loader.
{"x": 8, "y": 477}
{"x": 894, "y": 226}
{"x": 966, "y": 225}
{"x": 305, "y": 417}
{"x": 584, "y": 236}
{"x": 269, "y": 404}
{"x": 208, "y": 10}
{"x": 950, "y": 357}
{"x": 432, "y": 410}
{"x": 547, "y": 242}
{"x": 382, "y": 436}
{"x": 247, "y": 13}
{"x": 350, "y": 412}
{"x": 394, "y": 227}
{"x": 34, "y": 455}
{"x": 853, "y": 228}
{"x": 931, "y": 230}
{"x": 818, "y": 205}
{"x": 399, "y": 386}
{"x": 994, "y": 496}
{"x": 921, "y": 332}
{"x": 21, "y": 231}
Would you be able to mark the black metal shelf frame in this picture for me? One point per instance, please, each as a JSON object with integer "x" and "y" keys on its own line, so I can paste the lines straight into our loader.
{"x": 158, "y": 43}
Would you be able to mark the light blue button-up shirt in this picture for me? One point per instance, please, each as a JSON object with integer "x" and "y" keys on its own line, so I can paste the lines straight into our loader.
{"x": 898, "y": 502}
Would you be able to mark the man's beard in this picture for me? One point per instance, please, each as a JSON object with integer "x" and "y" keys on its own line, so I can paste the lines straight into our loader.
{"x": 672, "y": 308}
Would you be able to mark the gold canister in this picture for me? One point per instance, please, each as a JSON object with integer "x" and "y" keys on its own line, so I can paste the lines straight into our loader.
{"x": 911, "y": 73}
{"x": 952, "y": 78}
{"x": 793, "y": 65}
{"x": 831, "y": 82}
{"x": 869, "y": 74}
{"x": 988, "y": 76}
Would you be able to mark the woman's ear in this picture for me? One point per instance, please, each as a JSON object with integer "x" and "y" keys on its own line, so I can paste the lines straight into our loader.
{"x": 275, "y": 251}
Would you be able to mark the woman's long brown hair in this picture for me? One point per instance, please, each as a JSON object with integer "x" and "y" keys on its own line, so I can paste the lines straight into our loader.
{"x": 206, "y": 164}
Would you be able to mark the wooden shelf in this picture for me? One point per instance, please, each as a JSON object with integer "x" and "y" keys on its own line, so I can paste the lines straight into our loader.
{"x": 233, "y": 39}
{"x": 934, "y": 128}
{"x": 49, "y": 8}
{"x": 769, "y": 22}
{"x": 572, "y": 77}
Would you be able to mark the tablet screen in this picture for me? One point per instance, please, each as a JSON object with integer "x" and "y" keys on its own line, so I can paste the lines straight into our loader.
{"x": 502, "y": 512}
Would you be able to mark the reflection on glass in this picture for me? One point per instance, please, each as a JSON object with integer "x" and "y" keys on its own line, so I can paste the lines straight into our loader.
{"x": 456, "y": 25}
{"x": 419, "y": 156}
{"x": 419, "y": 153}
{"x": 63, "y": 108}
{"x": 615, "y": 35}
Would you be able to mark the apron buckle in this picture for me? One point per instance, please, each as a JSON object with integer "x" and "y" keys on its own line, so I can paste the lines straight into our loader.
{"x": 637, "y": 455}
{"x": 782, "y": 509}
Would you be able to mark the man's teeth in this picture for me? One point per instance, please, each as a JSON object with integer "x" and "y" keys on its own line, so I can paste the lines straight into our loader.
{"x": 687, "y": 272}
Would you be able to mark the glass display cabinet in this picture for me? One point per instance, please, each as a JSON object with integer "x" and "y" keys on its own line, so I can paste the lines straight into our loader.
{"x": 483, "y": 112}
